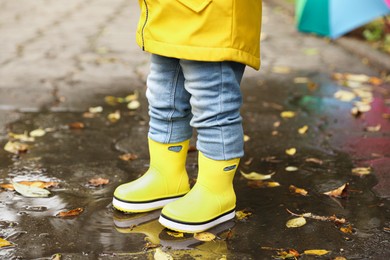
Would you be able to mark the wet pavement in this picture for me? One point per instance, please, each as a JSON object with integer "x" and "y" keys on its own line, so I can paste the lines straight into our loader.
{"x": 297, "y": 75}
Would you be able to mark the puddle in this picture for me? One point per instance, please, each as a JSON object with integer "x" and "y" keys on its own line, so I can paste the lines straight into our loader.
{"x": 335, "y": 143}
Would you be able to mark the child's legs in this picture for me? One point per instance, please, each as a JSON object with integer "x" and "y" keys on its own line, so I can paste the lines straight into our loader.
{"x": 216, "y": 101}
{"x": 169, "y": 107}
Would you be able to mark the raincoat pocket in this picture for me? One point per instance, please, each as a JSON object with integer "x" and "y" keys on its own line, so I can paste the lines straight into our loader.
{"x": 195, "y": 5}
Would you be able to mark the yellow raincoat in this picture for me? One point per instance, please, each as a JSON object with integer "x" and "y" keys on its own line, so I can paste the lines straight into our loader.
{"x": 204, "y": 30}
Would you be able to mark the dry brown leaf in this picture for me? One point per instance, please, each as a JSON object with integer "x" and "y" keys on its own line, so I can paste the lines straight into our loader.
{"x": 128, "y": 157}
{"x": 76, "y": 125}
{"x": 243, "y": 214}
{"x": 98, "y": 181}
{"x": 314, "y": 160}
{"x": 340, "y": 192}
{"x": 70, "y": 213}
{"x": 297, "y": 190}
{"x": 204, "y": 236}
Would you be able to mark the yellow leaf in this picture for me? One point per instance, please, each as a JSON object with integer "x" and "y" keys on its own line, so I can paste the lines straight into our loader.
{"x": 361, "y": 171}
{"x": 246, "y": 138}
{"x": 281, "y": 69}
{"x": 288, "y": 114}
{"x": 22, "y": 137}
{"x": 204, "y": 236}
{"x": 297, "y": 190}
{"x": 95, "y": 110}
{"x": 373, "y": 128}
{"x": 347, "y": 229}
{"x": 301, "y": 80}
{"x": 263, "y": 184}
{"x": 4, "y": 243}
{"x": 316, "y": 252}
{"x": 114, "y": 117}
{"x": 296, "y": 222}
{"x": 303, "y": 129}
{"x": 175, "y": 234}
{"x": 256, "y": 176}
{"x": 291, "y": 151}
{"x": 132, "y": 97}
{"x": 339, "y": 192}
{"x": 133, "y": 105}
{"x": 160, "y": 255}
{"x": 344, "y": 95}
{"x": 37, "y": 132}
{"x": 291, "y": 169}
{"x": 15, "y": 147}
{"x": 243, "y": 214}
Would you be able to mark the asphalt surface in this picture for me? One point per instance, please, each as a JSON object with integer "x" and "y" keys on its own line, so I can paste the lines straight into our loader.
{"x": 58, "y": 60}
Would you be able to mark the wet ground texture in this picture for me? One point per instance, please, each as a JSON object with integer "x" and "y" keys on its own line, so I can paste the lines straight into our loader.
{"x": 316, "y": 118}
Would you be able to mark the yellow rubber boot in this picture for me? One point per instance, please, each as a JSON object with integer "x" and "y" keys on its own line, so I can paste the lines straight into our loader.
{"x": 210, "y": 202}
{"x": 165, "y": 181}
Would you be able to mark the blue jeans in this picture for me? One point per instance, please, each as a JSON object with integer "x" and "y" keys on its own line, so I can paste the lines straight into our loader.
{"x": 186, "y": 94}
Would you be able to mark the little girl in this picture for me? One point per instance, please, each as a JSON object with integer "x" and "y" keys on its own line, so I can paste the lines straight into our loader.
{"x": 199, "y": 52}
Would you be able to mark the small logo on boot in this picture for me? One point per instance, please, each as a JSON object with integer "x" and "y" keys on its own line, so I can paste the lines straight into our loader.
{"x": 176, "y": 148}
{"x": 229, "y": 168}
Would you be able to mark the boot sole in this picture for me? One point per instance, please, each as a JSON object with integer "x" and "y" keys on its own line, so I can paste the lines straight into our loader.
{"x": 187, "y": 227}
{"x": 144, "y": 206}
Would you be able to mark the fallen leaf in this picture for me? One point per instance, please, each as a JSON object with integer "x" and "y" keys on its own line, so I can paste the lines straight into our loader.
{"x": 347, "y": 229}
{"x": 128, "y": 157}
{"x": 7, "y": 186}
{"x": 76, "y": 125}
{"x": 276, "y": 124}
{"x": 361, "y": 171}
{"x": 37, "y": 132}
{"x": 288, "y": 114}
{"x": 4, "y": 243}
{"x": 133, "y": 105}
{"x": 303, "y": 129}
{"x": 314, "y": 160}
{"x": 204, "y": 236}
{"x": 311, "y": 51}
{"x": 376, "y": 128}
{"x": 95, "y": 110}
{"x": 21, "y": 137}
{"x": 291, "y": 168}
{"x": 30, "y": 191}
{"x": 70, "y": 213}
{"x": 114, "y": 117}
{"x": 249, "y": 161}
{"x": 132, "y": 97}
{"x": 321, "y": 218}
{"x": 175, "y": 234}
{"x": 339, "y": 192}
{"x": 15, "y": 147}
{"x": 56, "y": 257}
{"x": 39, "y": 184}
{"x": 263, "y": 184}
{"x": 243, "y": 214}
{"x": 98, "y": 181}
{"x": 339, "y": 258}
{"x": 246, "y": 138}
{"x": 316, "y": 252}
{"x": 301, "y": 80}
{"x": 281, "y": 69}
{"x": 256, "y": 176}
{"x": 296, "y": 222}
{"x": 160, "y": 255}
{"x": 291, "y": 151}
{"x": 297, "y": 190}
{"x": 344, "y": 95}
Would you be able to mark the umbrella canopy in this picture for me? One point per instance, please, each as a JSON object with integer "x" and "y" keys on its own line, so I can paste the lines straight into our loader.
{"x": 334, "y": 18}
{"x": 388, "y": 2}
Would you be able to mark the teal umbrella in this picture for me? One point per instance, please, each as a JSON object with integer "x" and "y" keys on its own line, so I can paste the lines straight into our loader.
{"x": 333, "y": 18}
